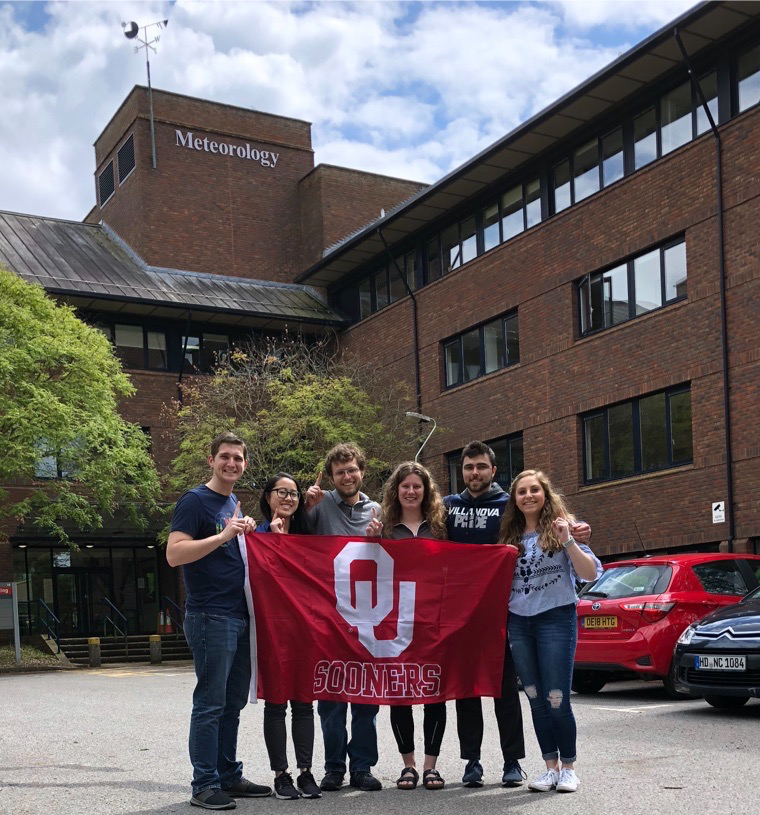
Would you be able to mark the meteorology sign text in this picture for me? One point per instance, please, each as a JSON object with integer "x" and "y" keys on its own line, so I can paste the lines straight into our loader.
{"x": 225, "y": 148}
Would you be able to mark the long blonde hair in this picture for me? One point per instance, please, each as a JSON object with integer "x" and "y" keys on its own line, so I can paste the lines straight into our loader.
{"x": 512, "y": 526}
{"x": 433, "y": 510}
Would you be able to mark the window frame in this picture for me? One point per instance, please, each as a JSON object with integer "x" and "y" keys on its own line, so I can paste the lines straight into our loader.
{"x": 457, "y": 341}
{"x": 104, "y": 201}
{"x": 453, "y": 460}
{"x": 129, "y": 138}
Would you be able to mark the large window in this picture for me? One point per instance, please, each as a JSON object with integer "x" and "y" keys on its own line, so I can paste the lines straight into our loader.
{"x": 204, "y": 351}
{"x": 138, "y": 347}
{"x": 509, "y": 462}
{"x": 643, "y": 435}
{"x": 748, "y": 79}
{"x": 481, "y": 350}
{"x": 634, "y": 287}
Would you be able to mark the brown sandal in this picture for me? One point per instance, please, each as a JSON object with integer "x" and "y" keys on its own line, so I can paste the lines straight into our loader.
{"x": 408, "y": 778}
{"x": 432, "y": 780}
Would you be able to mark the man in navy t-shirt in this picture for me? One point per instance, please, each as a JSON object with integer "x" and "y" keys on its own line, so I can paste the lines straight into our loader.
{"x": 203, "y": 540}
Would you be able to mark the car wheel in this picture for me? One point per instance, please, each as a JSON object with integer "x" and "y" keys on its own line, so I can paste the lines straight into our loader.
{"x": 588, "y": 681}
{"x": 674, "y": 692}
{"x": 726, "y": 702}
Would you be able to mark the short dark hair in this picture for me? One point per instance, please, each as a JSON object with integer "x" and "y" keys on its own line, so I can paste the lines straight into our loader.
{"x": 342, "y": 453}
{"x": 478, "y": 448}
{"x": 227, "y": 437}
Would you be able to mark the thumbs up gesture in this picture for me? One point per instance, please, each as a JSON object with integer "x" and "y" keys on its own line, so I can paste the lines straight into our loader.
{"x": 375, "y": 526}
{"x": 315, "y": 493}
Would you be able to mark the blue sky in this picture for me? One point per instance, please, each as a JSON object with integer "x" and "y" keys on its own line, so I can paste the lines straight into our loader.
{"x": 406, "y": 89}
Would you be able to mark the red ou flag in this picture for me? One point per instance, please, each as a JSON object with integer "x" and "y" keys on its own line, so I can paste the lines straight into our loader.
{"x": 378, "y": 621}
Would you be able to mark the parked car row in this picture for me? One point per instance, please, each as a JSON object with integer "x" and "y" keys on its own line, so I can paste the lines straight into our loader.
{"x": 674, "y": 618}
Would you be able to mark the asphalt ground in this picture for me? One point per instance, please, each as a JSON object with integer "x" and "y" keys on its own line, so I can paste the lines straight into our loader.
{"x": 113, "y": 742}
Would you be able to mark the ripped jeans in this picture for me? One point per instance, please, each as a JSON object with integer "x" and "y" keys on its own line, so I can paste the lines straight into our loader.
{"x": 543, "y": 648}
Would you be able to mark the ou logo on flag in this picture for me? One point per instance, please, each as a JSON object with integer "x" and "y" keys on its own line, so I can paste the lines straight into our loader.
{"x": 364, "y": 616}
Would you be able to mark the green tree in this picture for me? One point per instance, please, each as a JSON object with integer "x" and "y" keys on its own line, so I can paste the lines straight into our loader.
{"x": 291, "y": 401}
{"x": 68, "y": 454}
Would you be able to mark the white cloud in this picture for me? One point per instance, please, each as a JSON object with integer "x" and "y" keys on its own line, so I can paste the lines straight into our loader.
{"x": 412, "y": 91}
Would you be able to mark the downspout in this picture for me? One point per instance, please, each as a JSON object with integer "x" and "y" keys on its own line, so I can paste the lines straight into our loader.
{"x": 415, "y": 332}
{"x": 182, "y": 359}
{"x": 722, "y": 272}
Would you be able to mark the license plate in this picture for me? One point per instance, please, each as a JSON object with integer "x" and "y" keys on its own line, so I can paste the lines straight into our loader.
{"x": 717, "y": 663}
{"x": 600, "y": 622}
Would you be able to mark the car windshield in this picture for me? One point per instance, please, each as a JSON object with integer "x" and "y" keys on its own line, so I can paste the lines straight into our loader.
{"x": 631, "y": 581}
{"x": 753, "y": 595}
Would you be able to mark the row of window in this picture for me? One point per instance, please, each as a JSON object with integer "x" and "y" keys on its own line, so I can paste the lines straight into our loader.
{"x": 125, "y": 161}
{"x": 676, "y": 118}
{"x": 481, "y": 350}
{"x": 641, "y": 435}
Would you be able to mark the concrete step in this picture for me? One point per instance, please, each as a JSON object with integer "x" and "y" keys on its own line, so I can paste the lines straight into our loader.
{"x": 173, "y": 648}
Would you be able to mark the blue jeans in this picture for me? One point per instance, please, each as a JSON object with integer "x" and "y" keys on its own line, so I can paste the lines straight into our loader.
{"x": 543, "y": 648}
{"x": 222, "y": 656}
{"x": 362, "y": 749}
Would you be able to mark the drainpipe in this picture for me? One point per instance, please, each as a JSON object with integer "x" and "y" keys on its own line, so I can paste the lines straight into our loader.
{"x": 722, "y": 272}
{"x": 415, "y": 332}
{"x": 182, "y": 358}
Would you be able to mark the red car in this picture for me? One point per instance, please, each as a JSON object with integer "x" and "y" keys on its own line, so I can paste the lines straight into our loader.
{"x": 630, "y": 618}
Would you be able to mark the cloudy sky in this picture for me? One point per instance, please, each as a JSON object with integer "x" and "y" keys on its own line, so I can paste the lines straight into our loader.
{"x": 406, "y": 89}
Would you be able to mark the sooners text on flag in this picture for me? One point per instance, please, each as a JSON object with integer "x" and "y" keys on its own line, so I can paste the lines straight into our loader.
{"x": 378, "y": 621}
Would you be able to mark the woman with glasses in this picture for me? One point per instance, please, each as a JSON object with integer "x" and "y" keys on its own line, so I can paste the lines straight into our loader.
{"x": 284, "y": 512}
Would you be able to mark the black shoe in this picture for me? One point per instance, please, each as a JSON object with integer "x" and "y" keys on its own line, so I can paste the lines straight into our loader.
{"x": 473, "y": 774}
{"x": 284, "y": 789}
{"x": 213, "y": 799}
{"x": 308, "y": 785}
{"x": 365, "y": 781}
{"x": 332, "y": 781}
{"x": 243, "y": 788}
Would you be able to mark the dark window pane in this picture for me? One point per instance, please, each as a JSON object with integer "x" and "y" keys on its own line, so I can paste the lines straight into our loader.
{"x": 128, "y": 340}
{"x": 680, "y": 427}
{"x": 620, "y": 422}
{"x": 562, "y": 186}
{"x": 533, "y": 203}
{"x": 593, "y": 440}
{"x": 106, "y": 184}
{"x": 452, "y": 253}
{"x": 654, "y": 447}
{"x": 646, "y": 273}
{"x": 675, "y": 271}
{"x": 215, "y": 348}
{"x": 381, "y": 288}
{"x": 157, "y": 350}
{"x": 192, "y": 351}
{"x": 433, "y": 260}
{"x": 491, "y": 227}
{"x": 645, "y": 139}
{"x": 501, "y": 451}
{"x": 398, "y": 289}
{"x": 126, "y": 158}
{"x": 586, "y": 170}
{"x": 456, "y": 484}
{"x": 675, "y": 118}
{"x": 513, "y": 339}
{"x": 471, "y": 354}
{"x": 410, "y": 261}
{"x": 612, "y": 157}
{"x": 517, "y": 461}
{"x": 748, "y": 76}
{"x": 512, "y": 221}
{"x": 493, "y": 338}
{"x": 721, "y": 577}
{"x": 453, "y": 355}
{"x": 592, "y": 311}
{"x": 615, "y": 291}
{"x": 709, "y": 85}
{"x": 365, "y": 298}
{"x": 469, "y": 240}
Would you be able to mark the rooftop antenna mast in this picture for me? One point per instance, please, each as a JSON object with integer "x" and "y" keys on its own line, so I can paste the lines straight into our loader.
{"x": 131, "y": 32}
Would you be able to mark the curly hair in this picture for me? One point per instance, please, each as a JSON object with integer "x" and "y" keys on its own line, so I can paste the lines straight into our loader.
{"x": 512, "y": 526}
{"x": 433, "y": 510}
{"x": 343, "y": 453}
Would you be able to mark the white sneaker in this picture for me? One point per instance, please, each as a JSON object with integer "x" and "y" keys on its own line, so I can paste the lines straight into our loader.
{"x": 568, "y": 781}
{"x": 545, "y": 782}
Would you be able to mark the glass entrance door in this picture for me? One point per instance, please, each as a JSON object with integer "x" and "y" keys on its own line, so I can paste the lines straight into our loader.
{"x": 79, "y": 593}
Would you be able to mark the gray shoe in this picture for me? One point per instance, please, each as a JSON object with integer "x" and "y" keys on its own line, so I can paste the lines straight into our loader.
{"x": 213, "y": 799}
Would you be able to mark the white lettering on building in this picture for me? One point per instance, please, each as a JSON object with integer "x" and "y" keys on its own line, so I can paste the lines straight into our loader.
{"x": 266, "y": 158}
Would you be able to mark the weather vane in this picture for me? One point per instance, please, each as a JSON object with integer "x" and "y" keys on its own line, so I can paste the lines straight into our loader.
{"x": 131, "y": 32}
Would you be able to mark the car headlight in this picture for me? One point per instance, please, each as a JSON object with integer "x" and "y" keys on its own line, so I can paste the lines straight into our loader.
{"x": 688, "y": 635}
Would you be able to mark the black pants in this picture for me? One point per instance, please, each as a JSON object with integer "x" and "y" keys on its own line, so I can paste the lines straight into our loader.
{"x": 433, "y": 727}
{"x": 508, "y": 717}
{"x": 276, "y": 738}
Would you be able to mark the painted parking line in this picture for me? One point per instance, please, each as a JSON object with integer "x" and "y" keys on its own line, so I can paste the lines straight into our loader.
{"x": 640, "y": 709}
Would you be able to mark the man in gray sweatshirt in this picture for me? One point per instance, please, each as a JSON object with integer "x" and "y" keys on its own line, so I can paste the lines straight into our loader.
{"x": 345, "y": 511}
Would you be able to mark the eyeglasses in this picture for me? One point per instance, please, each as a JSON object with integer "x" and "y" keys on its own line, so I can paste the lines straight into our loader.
{"x": 347, "y": 471}
{"x": 282, "y": 493}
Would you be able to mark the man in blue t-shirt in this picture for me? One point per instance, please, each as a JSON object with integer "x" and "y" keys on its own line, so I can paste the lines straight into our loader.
{"x": 203, "y": 540}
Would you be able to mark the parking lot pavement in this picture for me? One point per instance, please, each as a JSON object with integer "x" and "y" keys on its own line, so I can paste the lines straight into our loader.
{"x": 113, "y": 742}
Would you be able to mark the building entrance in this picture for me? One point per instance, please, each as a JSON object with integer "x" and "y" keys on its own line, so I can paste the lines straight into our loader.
{"x": 78, "y": 595}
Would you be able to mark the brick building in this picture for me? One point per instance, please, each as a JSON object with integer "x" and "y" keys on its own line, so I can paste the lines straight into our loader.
{"x": 570, "y": 294}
